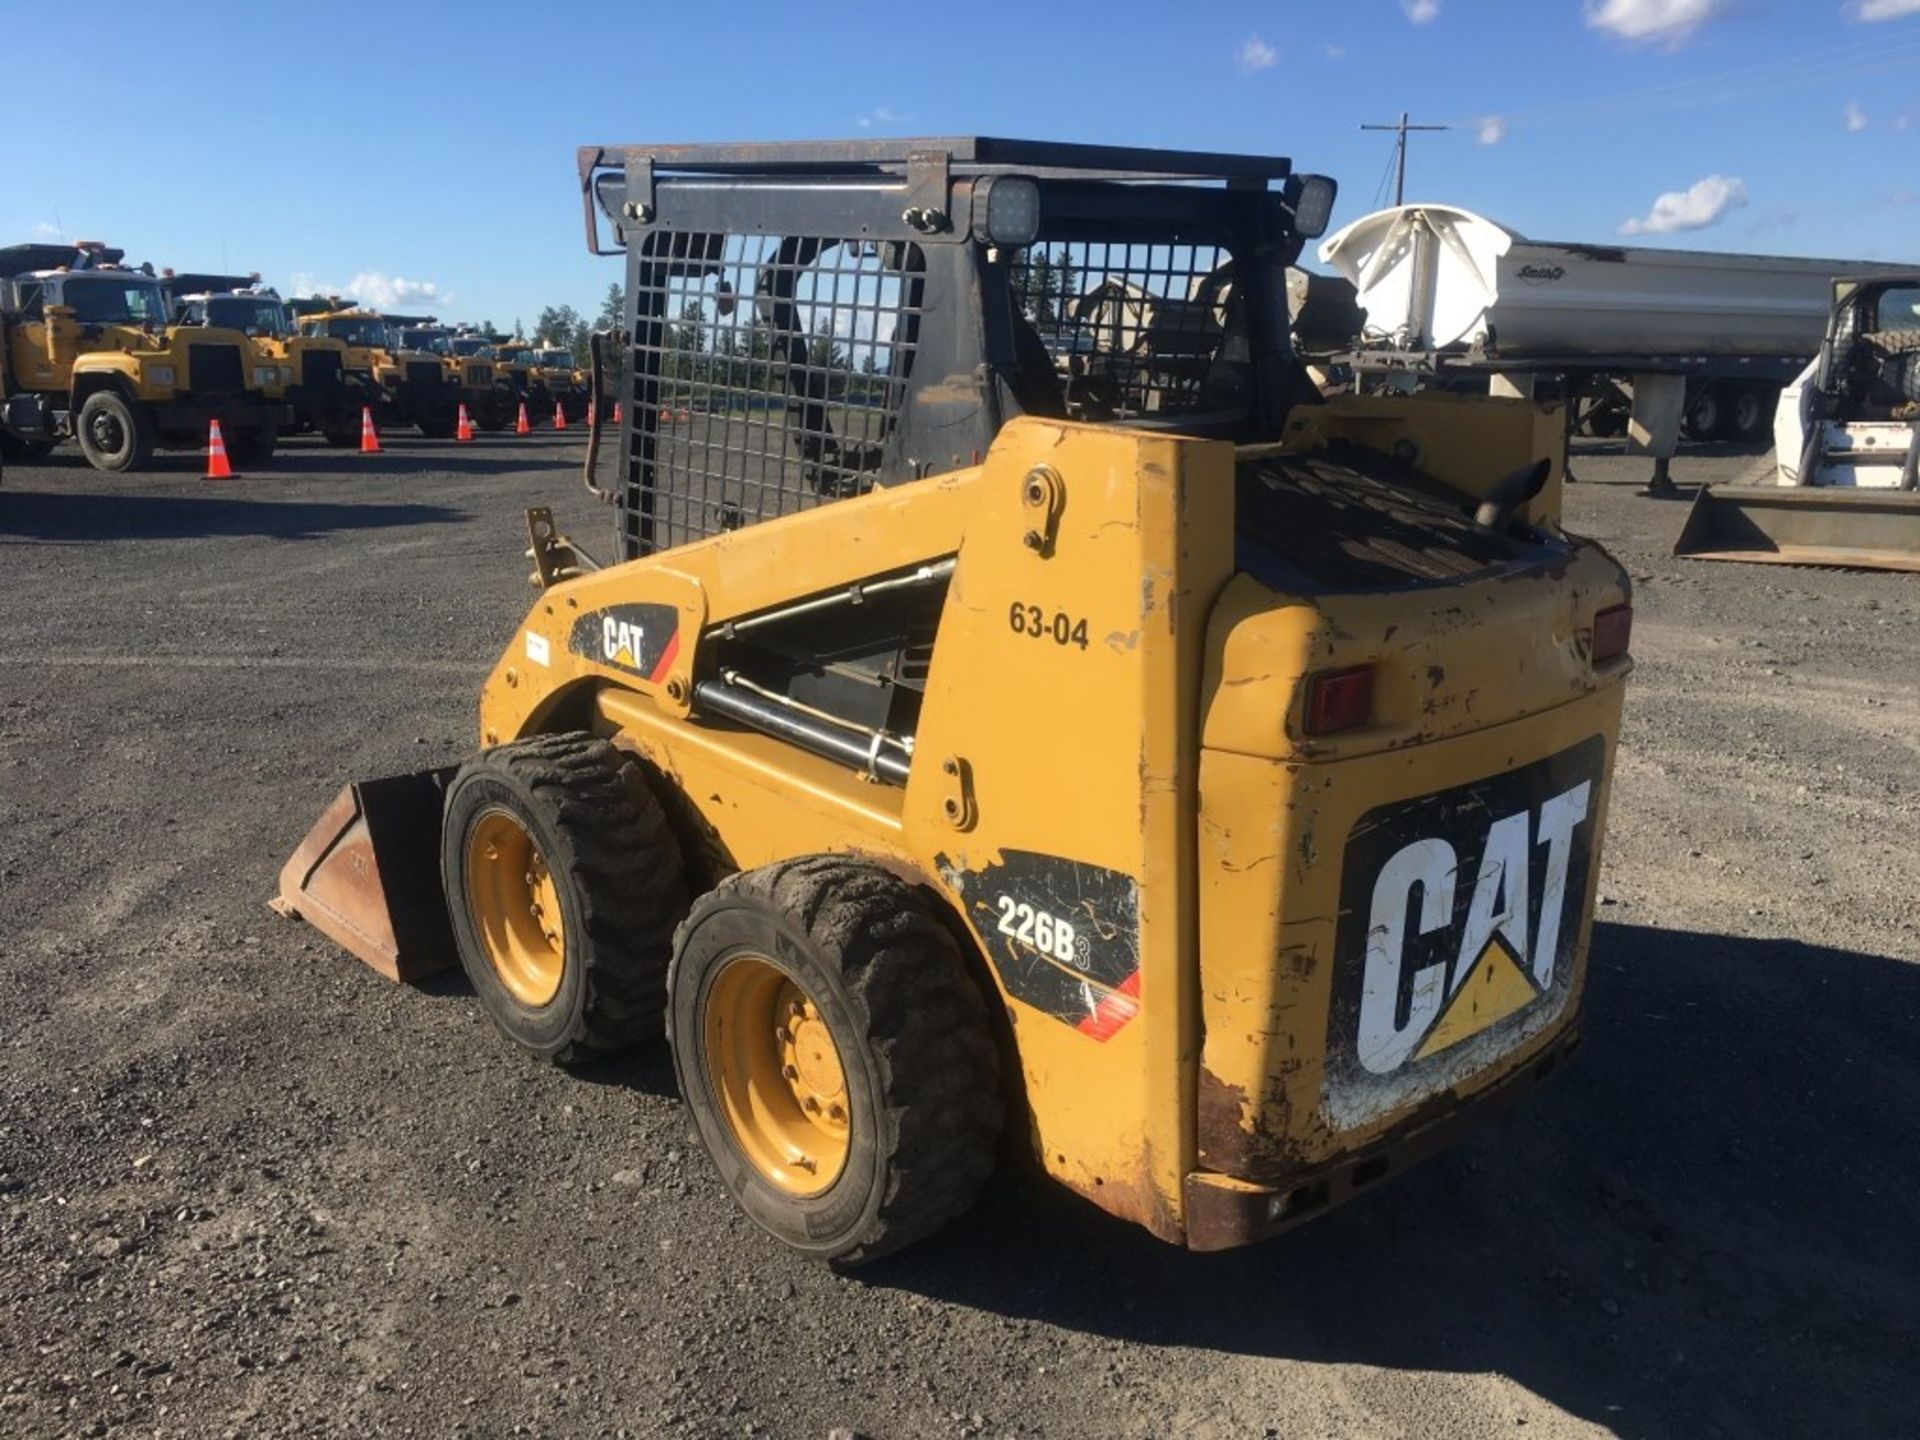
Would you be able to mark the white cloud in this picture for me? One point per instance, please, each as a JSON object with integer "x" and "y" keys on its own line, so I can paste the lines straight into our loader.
{"x": 46, "y": 231}
{"x": 1490, "y": 130}
{"x": 1335, "y": 52}
{"x": 880, "y": 115}
{"x": 1661, "y": 22}
{"x": 1254, "y": 55}
{"x": 1872, "y": 10}
{"x": 1701, "y": 204}
{"x": 1421, "y": 12}
{"x": 377, "y": 291}
{"x": 1856, "y": 117}
{"x": 1901, "y": 122}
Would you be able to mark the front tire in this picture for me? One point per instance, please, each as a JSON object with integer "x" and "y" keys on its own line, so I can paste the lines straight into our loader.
{"x": 835, "y": 1054}
{"x": 564, "y": 883}
{"x": 115, "y": 434}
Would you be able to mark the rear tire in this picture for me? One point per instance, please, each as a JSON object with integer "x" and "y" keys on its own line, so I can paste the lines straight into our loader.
{"x": 564, "y": 883}
{"x": 115, "y": 434}
{"x": 824, "y": 992}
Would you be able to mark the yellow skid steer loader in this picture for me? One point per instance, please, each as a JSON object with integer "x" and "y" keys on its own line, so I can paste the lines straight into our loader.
{"x": 1020, "y": 706}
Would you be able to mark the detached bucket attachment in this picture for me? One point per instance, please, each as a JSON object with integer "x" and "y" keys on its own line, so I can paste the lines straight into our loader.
{"x": 368, "y": 875}
{"x": 1805, "y": 525}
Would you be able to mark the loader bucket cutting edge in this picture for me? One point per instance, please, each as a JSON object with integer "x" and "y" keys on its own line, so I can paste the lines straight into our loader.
{"x": 367, "y": 875}
{"x": 1784, "y": 525}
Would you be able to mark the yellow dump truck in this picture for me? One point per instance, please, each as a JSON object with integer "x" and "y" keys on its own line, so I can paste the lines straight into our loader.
{"x": 88, "y": 352}
{"x": 319, "y": 393}
{"x": 415, "y": 387}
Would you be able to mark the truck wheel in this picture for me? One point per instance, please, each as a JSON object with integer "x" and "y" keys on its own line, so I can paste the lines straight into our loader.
{"x": 835, "y": 1054}
{"x": 564, "y": 884}
{"x": 115, "y": 435}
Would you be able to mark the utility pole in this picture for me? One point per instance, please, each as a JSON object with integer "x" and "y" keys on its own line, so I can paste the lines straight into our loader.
{"x": 1400, "y": 152}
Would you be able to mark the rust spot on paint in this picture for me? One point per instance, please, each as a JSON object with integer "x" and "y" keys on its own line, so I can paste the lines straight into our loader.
{"x": 1221, "y": 1129}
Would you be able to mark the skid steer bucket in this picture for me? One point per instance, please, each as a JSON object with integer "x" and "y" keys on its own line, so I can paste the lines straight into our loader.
{"x": 368, "y": 875}
{"x": 1805, "y": 525}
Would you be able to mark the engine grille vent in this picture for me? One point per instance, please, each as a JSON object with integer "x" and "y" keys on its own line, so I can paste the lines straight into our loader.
{"x": 215, "y": 370}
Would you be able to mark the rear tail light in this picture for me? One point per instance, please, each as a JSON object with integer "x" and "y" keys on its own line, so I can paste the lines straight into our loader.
{"x": 1612, "y": 630}
{"x": 1339, "y": 699}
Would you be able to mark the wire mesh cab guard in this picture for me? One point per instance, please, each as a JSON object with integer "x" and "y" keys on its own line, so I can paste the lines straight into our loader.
{"x": 807, "y": 321}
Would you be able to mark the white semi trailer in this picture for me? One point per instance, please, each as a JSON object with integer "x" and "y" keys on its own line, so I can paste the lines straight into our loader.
{"x": 1655, "y": 342}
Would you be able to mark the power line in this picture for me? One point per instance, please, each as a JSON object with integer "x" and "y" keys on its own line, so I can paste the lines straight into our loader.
{"x": 1852, "y": 59}
{"x": 1401, "y": 127}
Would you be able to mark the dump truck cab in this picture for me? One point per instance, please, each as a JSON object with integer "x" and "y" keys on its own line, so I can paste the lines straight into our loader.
{"x": 91, "y": 353}
{"x": 988, "y": 572}
{"x": 416, "y": 387}
{"x": 563, "y": 382}
{"x": 312, "y": 370}
{"x": 511, "y": 372}
{"x": 488, "y": 399}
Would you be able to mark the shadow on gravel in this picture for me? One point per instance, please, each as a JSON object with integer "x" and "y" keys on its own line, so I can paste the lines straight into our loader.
{"x": 1706, "y": 1226}
{"x": 126, "y": 515}
{"x": 447, "y": 460}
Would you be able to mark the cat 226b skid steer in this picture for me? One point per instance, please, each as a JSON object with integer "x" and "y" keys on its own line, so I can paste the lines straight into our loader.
{"x": 1022, "y": 710}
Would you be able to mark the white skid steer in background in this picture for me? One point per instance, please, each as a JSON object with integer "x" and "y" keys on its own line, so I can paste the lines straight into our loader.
{"x": 1847, "y": 441}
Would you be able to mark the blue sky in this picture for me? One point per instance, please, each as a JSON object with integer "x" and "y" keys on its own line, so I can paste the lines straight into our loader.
{"x": 432, "y": 144}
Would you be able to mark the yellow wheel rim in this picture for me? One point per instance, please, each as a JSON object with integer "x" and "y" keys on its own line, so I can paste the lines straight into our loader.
{"x": 515, "y": 908}
{"x": 777, "y": 1075}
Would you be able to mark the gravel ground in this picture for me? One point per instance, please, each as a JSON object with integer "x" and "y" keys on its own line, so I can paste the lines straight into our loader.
{"x": 247, "y": 1188}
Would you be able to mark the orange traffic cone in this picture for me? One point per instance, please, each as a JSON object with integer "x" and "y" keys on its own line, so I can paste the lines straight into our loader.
{"x": 616, "y": 412}
{"x": 369, "y": 437}
{"x": 463, "y": 430}
{"x": 217, "y": 466}
{"x": 520, "y": 426}
{"x": 592, "y": 409}
{"x": 559, "y": 417}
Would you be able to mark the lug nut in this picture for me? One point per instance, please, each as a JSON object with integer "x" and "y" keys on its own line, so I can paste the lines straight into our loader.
{"x": 787, "y": 1072}
{"x": 796, "y": 1009}
{"x": 783, "y": 1035}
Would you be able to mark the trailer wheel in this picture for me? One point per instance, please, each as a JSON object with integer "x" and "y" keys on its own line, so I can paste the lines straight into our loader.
{"x": 1750, "y": 415}
{"x": 115, "y": 435}
{"x": 835, "y": 1054}
{"x": 1705, "y": 414}
{"x": 564, "y": 884}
